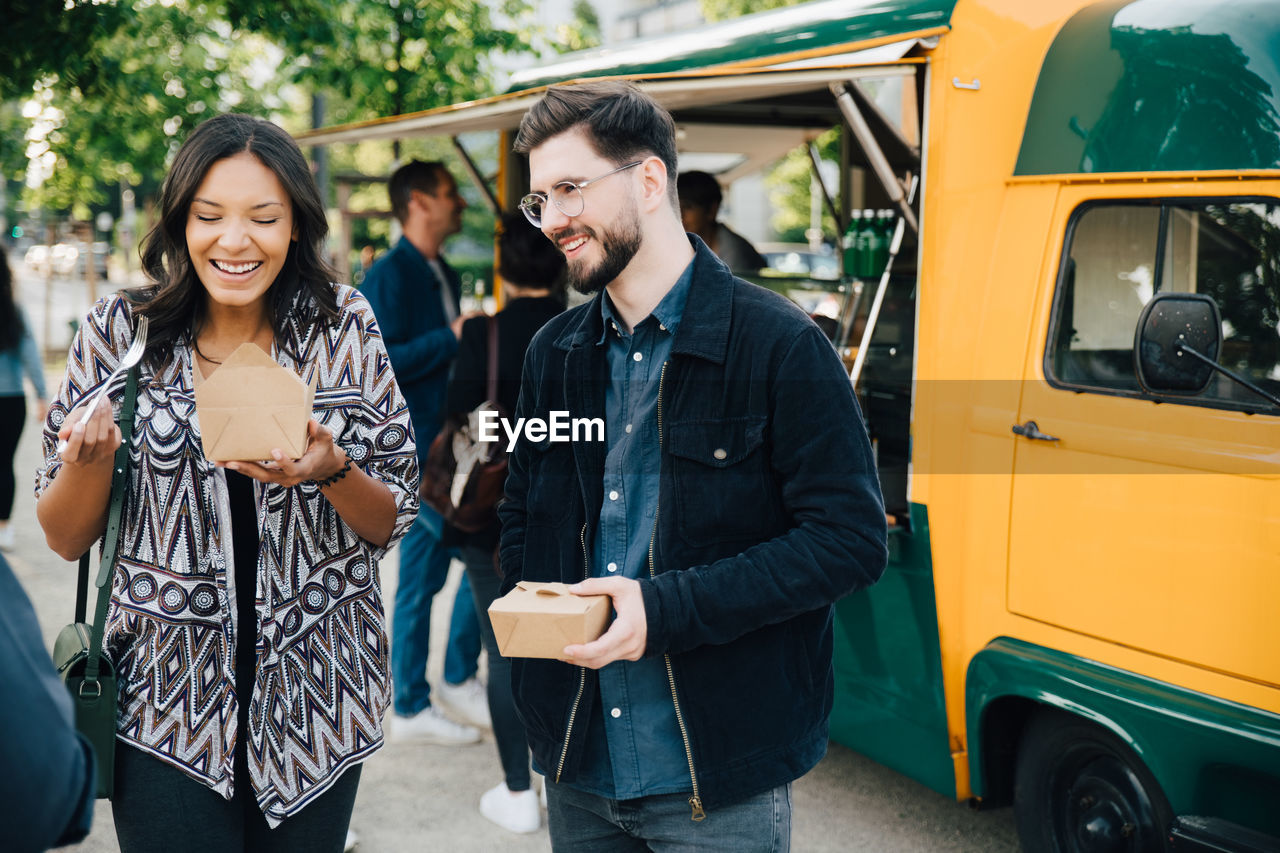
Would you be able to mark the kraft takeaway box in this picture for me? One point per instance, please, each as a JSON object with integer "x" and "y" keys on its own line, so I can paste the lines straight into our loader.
{"x": 537, "y": 620}
{"x": 250, "y": 406}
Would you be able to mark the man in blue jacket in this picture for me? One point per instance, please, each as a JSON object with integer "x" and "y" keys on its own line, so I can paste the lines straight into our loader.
{"x": 415, "y": 295}
{"x": 733, "y": 500}
{"x": 48, "y": 779}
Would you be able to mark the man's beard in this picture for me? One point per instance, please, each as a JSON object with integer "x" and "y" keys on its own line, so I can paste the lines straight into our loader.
{"x": 618, "y": 245}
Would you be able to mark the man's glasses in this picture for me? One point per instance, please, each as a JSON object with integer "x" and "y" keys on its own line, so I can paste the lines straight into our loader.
{"x": 566, "y": 196}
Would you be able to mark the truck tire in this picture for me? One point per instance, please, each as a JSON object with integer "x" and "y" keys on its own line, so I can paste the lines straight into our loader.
{"x": 1079, "y": 789}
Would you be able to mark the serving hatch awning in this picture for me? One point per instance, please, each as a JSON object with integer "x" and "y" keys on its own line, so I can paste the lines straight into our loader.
{"x": 715, "y": 91}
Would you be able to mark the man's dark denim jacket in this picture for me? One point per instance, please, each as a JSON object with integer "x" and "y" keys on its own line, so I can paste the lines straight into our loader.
{"x": 769, "y": 510}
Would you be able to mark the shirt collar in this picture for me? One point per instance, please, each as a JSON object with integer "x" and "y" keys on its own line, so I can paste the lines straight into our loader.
{"x": 668, "y": 312}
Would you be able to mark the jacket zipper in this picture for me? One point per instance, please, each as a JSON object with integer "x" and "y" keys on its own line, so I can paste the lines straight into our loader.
{"x": 582, "y": 670}
{"x": 695, "y": 801}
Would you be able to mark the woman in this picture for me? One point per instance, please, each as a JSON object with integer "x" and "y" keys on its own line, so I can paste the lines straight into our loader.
{"x": 246, "y": 620}
{"x": 18, "y": 355}
{"x": 532, "y": 270}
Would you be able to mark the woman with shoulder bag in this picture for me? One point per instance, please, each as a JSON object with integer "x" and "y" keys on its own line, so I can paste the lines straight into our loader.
{"x": 532, "y": 271}
{"x": 246, "y": 620}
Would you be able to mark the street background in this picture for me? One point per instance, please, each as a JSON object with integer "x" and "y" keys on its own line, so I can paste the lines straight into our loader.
{"x": 417, "y": 797}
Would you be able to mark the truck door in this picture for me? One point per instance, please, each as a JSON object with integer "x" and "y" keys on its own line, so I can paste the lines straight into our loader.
{"x": 1153, "y": 523}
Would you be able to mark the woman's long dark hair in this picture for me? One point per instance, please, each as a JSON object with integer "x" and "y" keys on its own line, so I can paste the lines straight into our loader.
{"x": 175, "y": 302}
{"x": 10, "y": 319}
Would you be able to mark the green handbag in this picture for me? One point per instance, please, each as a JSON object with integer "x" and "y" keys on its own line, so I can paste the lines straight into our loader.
{"x": 77, "y": 652}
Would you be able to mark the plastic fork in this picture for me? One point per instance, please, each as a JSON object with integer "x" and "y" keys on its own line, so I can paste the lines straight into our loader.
{"x": 131, "y": 357}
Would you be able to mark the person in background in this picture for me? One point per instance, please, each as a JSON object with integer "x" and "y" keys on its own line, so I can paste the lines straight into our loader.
{"x": 48, "y": 784}
{"x": 733, "y": 501}
{"x": 700, "y": 198}
{"x": 532, "y": 273}
{"x": 18, "y": 356}
{"x": 415, "y": 296}
{"x": 246, "y": 622}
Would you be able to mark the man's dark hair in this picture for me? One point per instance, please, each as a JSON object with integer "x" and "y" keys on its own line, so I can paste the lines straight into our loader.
{"x": 620, "y": 121}
{"x": 699, "y": 189}
{"x": 526, "y": 258}
{"x": 421, "y": 175}
{"x": 175, "y": 299}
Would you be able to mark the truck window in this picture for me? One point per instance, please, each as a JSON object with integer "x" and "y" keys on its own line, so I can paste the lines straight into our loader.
{"x": 1119, "y": 255}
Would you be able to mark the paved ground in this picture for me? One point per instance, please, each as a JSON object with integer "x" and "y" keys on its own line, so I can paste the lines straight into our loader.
{"x": 424, "y": 797}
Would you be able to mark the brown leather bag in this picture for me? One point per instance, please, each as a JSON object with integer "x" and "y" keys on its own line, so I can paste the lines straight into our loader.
{"x": 463, "y": 477}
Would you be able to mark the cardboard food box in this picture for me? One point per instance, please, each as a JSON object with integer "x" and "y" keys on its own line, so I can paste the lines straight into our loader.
{"x": 250, "y": 406}
{"x": 537, "y": 620}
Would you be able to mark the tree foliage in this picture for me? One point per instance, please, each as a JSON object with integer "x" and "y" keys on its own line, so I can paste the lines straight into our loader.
{"x": 386, "y": 58}
{"x": 40, "y": 37}
{"x": 789, "y": 184}
{"x": 152, "y": 82}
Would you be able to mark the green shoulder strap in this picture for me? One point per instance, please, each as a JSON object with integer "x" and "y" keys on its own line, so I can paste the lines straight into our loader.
{"x": 111, "y": 539}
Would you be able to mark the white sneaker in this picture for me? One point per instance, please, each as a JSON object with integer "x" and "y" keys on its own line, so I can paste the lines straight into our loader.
{"x": 351, "y": 842}
{"x": 431, "y": 726}
{"x": 6, "y": 544}
{"x": 467, "y": 700}
{"x": 515, "y": 811}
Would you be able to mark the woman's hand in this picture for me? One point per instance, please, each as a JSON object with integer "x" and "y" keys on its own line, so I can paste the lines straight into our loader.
{"x": 91, "y": 444}
{"x": 366, "y": 505}
{"x": 322, "y": 458}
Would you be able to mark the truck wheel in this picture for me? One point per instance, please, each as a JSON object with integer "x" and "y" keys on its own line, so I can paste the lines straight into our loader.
{"x": 1079, "y": 789}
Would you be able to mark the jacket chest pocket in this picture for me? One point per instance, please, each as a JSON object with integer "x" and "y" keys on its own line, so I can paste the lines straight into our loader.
{"x": 720, "y": 474}
{"x": 553, "y": 485}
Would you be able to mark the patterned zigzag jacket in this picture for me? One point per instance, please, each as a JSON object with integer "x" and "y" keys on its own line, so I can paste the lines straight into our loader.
{"x": 321, "y": 683}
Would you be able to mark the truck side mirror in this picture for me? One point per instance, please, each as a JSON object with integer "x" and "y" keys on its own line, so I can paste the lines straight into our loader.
{"x": 1170, "y": 322}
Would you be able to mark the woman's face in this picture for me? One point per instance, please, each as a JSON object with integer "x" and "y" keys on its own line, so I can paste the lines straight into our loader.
{"x": 239, "y": 229}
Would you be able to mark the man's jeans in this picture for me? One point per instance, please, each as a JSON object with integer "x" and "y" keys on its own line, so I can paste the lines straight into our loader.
{"x": 587, "y": 823}
{"x": 424, "y": 567}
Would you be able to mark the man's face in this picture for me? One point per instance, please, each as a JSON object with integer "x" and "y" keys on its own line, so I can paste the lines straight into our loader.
{"x": 443, "y": 207}
{"x": 599, "y": 243}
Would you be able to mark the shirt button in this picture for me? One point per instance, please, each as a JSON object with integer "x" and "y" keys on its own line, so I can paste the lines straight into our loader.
{"x": 662, "y": 327}
{"x": 616, "y": 713}
{"x": 613, "y": 496}
{"x": 720, "y": 453}
{"x": 628, "y": 429}
{"x": 637, "y": 356}
{"x": 613, "y": 567}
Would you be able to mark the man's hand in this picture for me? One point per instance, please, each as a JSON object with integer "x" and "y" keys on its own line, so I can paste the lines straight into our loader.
{"x": 321, "y": 459}
{"x": 626, "y": 637}
{"x": 456, "y": 325}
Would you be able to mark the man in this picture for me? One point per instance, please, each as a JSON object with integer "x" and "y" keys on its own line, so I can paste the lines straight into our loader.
{"x": 414, "y": 295}
{"x": 700, "y": 198}
{"x": 733, "y": 500}
{"x": 49, "y": 778}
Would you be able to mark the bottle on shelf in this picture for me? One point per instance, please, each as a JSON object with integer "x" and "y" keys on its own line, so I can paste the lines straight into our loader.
{"x": 884, "y": 227}
{"x": 852, "y": 266}
{"x": 868, "y": 243}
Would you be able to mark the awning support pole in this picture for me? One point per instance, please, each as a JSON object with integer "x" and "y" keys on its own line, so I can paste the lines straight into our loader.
{"x": 467, "y": 163}
{"x": 826, "y": 194}
{"x": 874, "y": 315}
{"x": 875, "y": 155}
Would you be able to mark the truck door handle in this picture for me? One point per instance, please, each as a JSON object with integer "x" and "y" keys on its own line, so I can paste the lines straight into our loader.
{"x": 1032, "y": 431}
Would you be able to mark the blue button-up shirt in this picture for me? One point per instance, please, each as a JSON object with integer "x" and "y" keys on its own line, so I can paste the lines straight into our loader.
{"x": 634, "y": 747}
